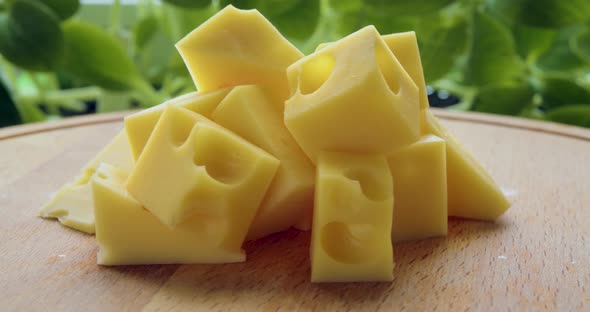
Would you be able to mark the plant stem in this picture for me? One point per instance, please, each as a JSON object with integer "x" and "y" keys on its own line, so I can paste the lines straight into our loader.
{"x": 60, "y": 96}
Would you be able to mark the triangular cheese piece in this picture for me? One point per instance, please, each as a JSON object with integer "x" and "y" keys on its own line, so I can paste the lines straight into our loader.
{"x": 472, "y": 193}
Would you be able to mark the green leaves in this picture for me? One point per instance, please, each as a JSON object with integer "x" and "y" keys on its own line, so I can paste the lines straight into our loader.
{"x": 492, "y": 56}
{"x": 503, "y": 99}
{"x": 96, "y": 57}
{"x": 31, "y": 37}
{"x": 190, "y": 3}
{"x": 8, "y": 113}
{"x": 396, "y": 8}
{"x": 580, "y": 44}
{"x": 560, "y": 91}
{"x": 577, "y": 115}
{"x": 440, "y": 50}
{"x": 296, "y": 19}
{"x": 554, "y": 13}
{"x": 64, "y": 9}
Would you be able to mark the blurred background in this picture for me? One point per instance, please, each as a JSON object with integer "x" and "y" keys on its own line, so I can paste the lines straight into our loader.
{"x": 527, "y": 58}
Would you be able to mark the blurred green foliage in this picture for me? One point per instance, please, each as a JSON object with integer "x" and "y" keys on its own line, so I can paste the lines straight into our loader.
{"x": 515, "y": 57}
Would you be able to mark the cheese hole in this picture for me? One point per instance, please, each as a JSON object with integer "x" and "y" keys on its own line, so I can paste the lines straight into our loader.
{"x": 181, "y": 125}
{"x": 370, "y": 186}
{"x": 101, "y": 175}
{"x": 387, "y": 68}
{"x": 223, "y": 162}
{"x": 348, "y": 243}
{"x": 315, "y": 73}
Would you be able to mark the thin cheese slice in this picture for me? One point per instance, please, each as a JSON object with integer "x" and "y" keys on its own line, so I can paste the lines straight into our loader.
{"x": 128, "y": 234}
{"x": 352, "y": 218}
{"x": 404, "y": 46}
{"x": 72, "y": 203}
{"x": 472, "y": 193}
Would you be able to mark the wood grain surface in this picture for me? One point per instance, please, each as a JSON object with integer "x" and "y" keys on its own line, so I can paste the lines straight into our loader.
{"x": 535, "y": 257}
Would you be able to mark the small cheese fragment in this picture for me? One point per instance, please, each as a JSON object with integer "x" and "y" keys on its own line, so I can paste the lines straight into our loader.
{"x": 420, "y": 190}
{"x": 404, "y": 46}
{"x": 191, "y": 166}
{"x": 352, "y": 96}
{"x": 351, "y": 232}
{"x": 139, "y": 126}
{"x": 472, "y": 193}
{"x": 237, "y": 47}
{"x": 252, "y": 114}
{"x": 128, "y": 234}
{"x": 72, "y": 203}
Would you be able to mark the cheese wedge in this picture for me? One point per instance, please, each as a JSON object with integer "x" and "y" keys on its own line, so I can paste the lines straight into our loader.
{"x": 352, "y": 96}
{"x": 191, "y": 166}
{"x": 352, "y": 217}
{"x": 72, "y": 204}
{"x": 420, "y": 190}
{"x": 237, "y": 47}
{"x": 139, "y": 126}
{"x": 250, "y": 112}
{"x": 128, "y": 234}
{"x": 472, "y": 193}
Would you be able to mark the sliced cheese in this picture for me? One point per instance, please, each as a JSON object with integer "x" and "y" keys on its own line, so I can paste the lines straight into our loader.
{"x": 191, "y": 166}
{"x": 237, "y": 47}
{"x": 420, "y": 190}
{"x": 72, "y": 203}
{"x": 252, "y": 114}
{"x": 351, "y": 232}
{"x": 404, "y": 46}
{"x": 139, "y": 126}
{"x": 352, "y": 96}
{"x": 472, "y": 193}
{"x": 128, "y": 234}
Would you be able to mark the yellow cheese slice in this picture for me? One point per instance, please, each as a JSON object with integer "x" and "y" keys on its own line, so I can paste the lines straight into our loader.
{"x": 352, "y": 96}
{"x": 191, "y": 166}
{"x": 128, "y": 234}
{"x": 237, "y": 47}
{"x": 472, "y": 193}
{"x": 252, "y": 114}
{"x": 351, "y": 232}
{"x": 404, "y": 46}
{"x": 139, "y": 126}
{"x": 72, "y": 203}
{"x": 420, "y": 189}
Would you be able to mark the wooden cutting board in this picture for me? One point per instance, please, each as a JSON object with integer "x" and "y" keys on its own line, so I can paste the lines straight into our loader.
{"x": 535, "y": 257}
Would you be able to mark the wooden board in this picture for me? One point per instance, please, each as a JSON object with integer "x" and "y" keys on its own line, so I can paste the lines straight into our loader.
{"x": 536, "y": 257}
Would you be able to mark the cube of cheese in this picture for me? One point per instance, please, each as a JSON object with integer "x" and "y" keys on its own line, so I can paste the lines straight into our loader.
{"x": 72, "y": 204}
{"x": 352, "y": 96}
{"x": 237, "y": 47}
{"x": 250, "y": 112}
{"x": 404, "y": 46}
{"x": 420, "y": 190}
{"x": 128, "y": 234}
{"x": 352, "y": 217}
{"x": 472, "y": 193}
{"x": 191, "y": 166}
{"x": 139, "y": 126}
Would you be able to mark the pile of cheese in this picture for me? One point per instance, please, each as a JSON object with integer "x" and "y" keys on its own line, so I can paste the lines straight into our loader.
{"x": 340, "y": 141}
